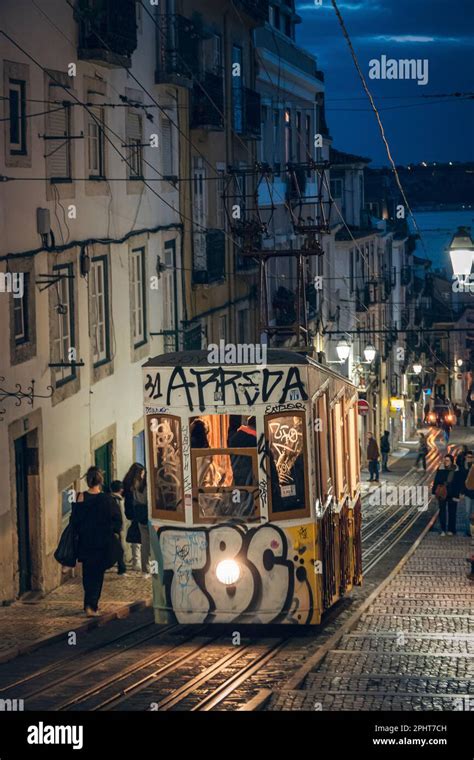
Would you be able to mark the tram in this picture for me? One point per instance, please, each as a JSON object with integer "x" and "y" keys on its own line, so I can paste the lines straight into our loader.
{"x": 253, "y": 478}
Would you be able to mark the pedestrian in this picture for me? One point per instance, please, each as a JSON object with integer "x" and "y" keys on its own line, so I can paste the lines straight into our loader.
{"x": 95, "y": 522}
{"x": 465, "y": 415}
{"x": 422, "y": 451}
{"x": 426, "y": 411}
{"x": 116, "y": 491}
{"x": 457, "y": 412}
{"x": 373, "y": 458}
{"x": 447, "y": 487}
{"x": 461, "y": 457}
{"x": 385, "y": 450}
{"x": 136, "y": 510}
{"x": 468, "y": 490}
{"x": 446, "y": 428}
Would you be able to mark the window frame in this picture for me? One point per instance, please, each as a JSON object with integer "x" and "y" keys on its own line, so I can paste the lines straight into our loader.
{"x": 294, "y": 514}
{"x": 63, "y": 141}
{"x": 22, "y": 304}
{"x": 165, "y": 514}
{"x": 134, "y": 149}
{"x": 105, "y": 277}
{"x": 138, "y": 254}
{"x": 99, "y": 174}
{"x": 18, "y": 85}
{"x": 72, "y": 327}
{"x": 321, "y": 410}
{"x": 251, "y": 451}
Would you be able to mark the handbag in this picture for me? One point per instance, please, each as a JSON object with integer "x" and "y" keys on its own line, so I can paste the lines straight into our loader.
{"x": 113, "y": 551}
{"x": 133, "y": 533}
{"x": 441, "y": 492}
{"x": 66, "y": 553}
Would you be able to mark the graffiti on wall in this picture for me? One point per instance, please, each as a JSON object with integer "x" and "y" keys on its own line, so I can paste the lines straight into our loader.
{"x": 276, "y": 583}
{"x": 232, "y": 387}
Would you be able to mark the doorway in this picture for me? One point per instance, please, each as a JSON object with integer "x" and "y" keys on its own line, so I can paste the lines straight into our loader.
{"x": 26, "y": 465}
{"x": 103, "y": 460}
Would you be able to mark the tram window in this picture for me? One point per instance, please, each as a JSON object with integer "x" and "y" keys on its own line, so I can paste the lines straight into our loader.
{"x": 224, "y": 467}
{"x": 323, "y": 447}
{"x": 338, "y": 445}
{"x": 166, "y": 466}
{"x": 286, "y": 448}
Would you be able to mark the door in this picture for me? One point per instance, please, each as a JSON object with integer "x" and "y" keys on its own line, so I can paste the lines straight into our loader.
{"x": 103, "y": 460}
{"x": 23, "y": 516}
{"x": 139, "y": 448}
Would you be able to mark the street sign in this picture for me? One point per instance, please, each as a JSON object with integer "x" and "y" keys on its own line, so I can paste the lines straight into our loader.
{"x": 363, "y": 407}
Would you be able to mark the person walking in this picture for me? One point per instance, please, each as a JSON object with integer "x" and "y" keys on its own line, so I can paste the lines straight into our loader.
{"x": 373, "y": 458}
{"x": 136, "y": 510}
{"x": 461, "y": 457}
{"x": 116, "y": 490}
{"x": 385, "y": 450}
{"x": 422, "y": 451}
{"x": 447, "y": 487}
{"x": 95, "y": 523}
{"x": 446, "y": 428}
{"x": 465, "y": 415}
{"x": 468, "y": 490}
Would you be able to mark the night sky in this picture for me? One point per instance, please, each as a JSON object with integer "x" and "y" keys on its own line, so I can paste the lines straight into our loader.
{"x": 437, "y": 30}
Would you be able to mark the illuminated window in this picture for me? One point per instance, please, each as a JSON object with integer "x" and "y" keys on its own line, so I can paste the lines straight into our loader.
{"x": 224, "y": 468}
{"x": 166, "y": 467}
{"x": 338, "y": 450}
{"x": 286, "y": 447}
{"x": 323, "y": 447}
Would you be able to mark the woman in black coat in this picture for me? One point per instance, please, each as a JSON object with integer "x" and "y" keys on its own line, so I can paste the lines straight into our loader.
{"x": 447, "y": 487}
{"x": 95, "y": 520}
{"x": 136, "y": 510}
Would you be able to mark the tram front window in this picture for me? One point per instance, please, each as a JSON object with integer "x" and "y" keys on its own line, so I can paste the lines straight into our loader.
{"x": 166, "y": 466}
{"x": 224, "y": 467}
{"x": 286, "y": 447}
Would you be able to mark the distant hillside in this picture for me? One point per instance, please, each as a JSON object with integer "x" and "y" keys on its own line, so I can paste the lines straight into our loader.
{"x": 438, "y": 185}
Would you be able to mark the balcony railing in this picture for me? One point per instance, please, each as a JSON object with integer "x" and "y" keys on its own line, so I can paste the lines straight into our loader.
{"x": 257, "y": 9}
{"x": 212, "y": 265}
{"x": 207, "y": 103}
{"x": 252, "y": 127}
{"x": 178, "y": 43}
{"x": 107, "y": 31}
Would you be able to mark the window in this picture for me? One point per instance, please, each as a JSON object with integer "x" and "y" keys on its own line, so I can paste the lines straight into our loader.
{"x": 309, "y": 149}
{"x": 96, "y": 142}
{"x": 99, "y": 310}
{"x": 351, "y": 271}
{"x": 237, "y": 90}
{"x": 134, "y": 145}
{"x": 167, "y": 148}
{"x": 58, "y": 133}
{"x": 276, "y": 136}
{"x": 170, "y": 297}
{"x": 166, "y": 467}
{"x": 18, "y": 120}
{"x": 338, "y": 449}
{"x": 199, "y": 218}
{"x": 220, "y": 190}
{"x": 64, "y": 338}
{"x": 286, "y": 446}
{"x": 242, "y": 325}
{"x": 224, "y": 468}
{"x": 336, "y": 188}
{"x": 323, "y": 447}
{"x": 299, "y": 137}
{"x": 288, "y": 136}
{"x": 138, "y": 296}
{"x": 274, "y": 16}
{"x": 288, "y": 26}
{"x": 223, "y": 328}
{"x": 20, "y": 313}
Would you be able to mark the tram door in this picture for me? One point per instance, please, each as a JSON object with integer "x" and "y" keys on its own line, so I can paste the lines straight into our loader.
{"x": 323, "y": 454}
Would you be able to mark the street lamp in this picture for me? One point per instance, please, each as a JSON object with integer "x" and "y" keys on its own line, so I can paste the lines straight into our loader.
{"x": 461, "y": 252}
{"x": 369, "y": 353}
{"x": 343, "y": 349}
{"x": 417, "y": 367}
{"x": 459, "y": 362}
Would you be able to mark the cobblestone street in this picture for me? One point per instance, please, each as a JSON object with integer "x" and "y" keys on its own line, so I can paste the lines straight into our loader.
{"x": 413, "y": 649}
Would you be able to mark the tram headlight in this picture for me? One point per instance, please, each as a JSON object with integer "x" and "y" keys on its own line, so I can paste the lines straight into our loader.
{"x": 228, "y": 572}
{"x": 432, "y": 417}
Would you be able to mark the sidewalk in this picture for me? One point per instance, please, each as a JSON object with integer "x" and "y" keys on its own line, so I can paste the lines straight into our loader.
{"x": 29, "y": 624}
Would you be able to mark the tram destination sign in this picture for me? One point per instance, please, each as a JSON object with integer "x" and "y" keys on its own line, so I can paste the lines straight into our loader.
{"x": 218, "y": 386}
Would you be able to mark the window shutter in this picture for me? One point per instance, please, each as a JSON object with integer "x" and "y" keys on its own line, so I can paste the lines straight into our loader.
{"x": 166, "y": 147}
{"x": 57, "y": 151}
{"x": 134, "y": 127}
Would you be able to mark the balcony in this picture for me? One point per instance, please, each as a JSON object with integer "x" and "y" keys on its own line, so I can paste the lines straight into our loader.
{"x": 252, "y": 127}
{"x": 209, "y": 257}
{"x": 256, "y": 9}
{"x": 207, "y": 103}
{"x": 107, "y": 32}
{"x": 178, "y": 44}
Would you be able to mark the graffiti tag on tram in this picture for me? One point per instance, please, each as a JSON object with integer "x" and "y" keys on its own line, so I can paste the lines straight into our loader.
{"x": 233, "y": 387}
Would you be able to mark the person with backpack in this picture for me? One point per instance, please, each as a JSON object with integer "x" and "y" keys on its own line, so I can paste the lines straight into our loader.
{"x": 447, "y": 488}
{"x": 468, "y": 490}
{"x": 385, "y": 450}
{"x": 422, "y": 451}
{"x": 95, "y": 522}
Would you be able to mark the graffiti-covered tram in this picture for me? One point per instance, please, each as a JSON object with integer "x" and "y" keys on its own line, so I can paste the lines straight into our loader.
{"x": 254, "y": 488}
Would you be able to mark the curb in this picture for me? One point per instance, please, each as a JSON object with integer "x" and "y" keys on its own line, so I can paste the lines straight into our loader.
{"x": 89, "y": 625}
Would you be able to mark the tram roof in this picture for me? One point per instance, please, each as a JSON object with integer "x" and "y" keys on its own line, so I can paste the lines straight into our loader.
{"x": 275, "y": 356}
